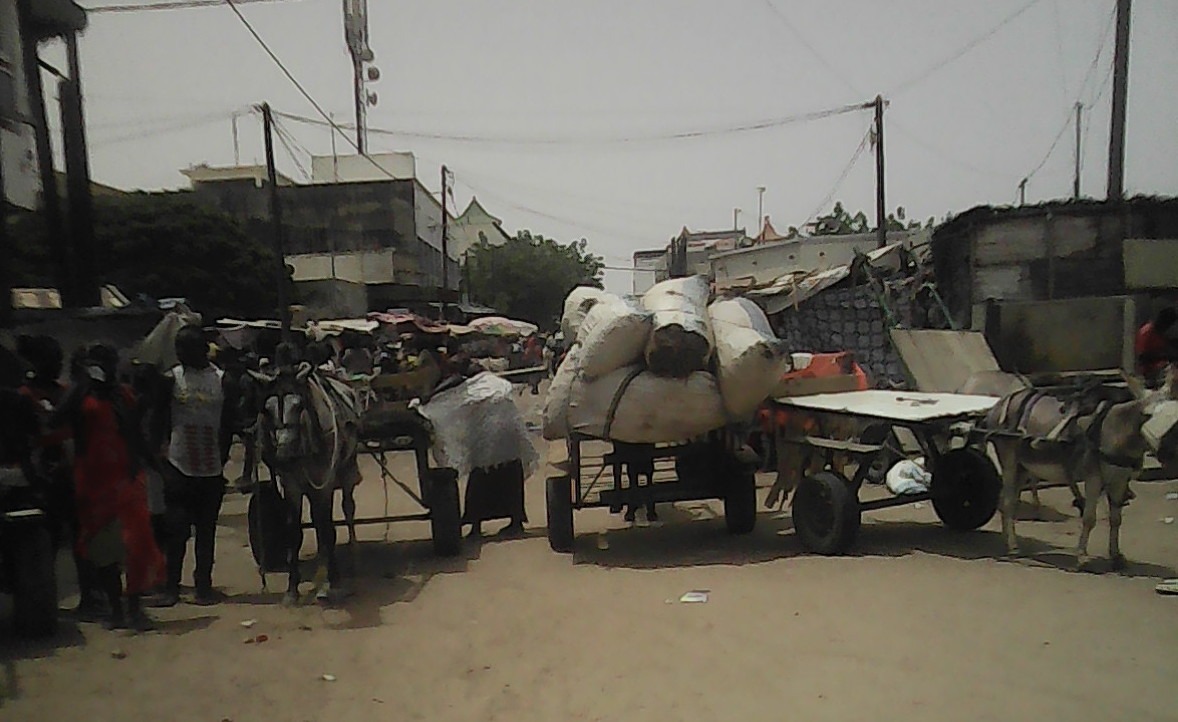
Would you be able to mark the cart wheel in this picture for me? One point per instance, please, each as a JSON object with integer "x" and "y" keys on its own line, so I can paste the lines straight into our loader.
{"x": 34, "y": 584}
{"x": 445, "y": 513}
{"x": 559, "y": 497}
{"x": 826, "y": 513}
{"x": 966, "y": 487}
{"x": 740, "y": 504}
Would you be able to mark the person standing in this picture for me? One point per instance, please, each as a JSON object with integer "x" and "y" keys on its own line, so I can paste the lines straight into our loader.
{"x": 114, "y": 526}
{"x": 1154, "y": 350}
{"x": 193, "y": 425}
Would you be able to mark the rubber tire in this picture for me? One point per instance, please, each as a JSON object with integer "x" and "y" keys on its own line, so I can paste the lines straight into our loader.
{"x": 558, "y": 495}
{"x": 445, "y": 512}
{"x": 34, "y": 583}
{"x": 740, "y": 504}
{"x": 966, "y": 489}
{"x": 826, "y": 494}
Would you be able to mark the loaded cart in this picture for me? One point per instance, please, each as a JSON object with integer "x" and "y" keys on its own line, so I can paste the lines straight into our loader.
{"x": 603, "y": 474}
{"x": 965, "y": 485}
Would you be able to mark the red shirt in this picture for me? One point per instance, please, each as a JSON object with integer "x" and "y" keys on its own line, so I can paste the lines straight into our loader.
{"x": 1151, "y": 343}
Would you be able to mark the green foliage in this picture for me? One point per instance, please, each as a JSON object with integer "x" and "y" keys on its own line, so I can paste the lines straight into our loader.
{"x": 164, "y": 245}
{"x": 839, "y": 222}
{"x": 529, "y": 276}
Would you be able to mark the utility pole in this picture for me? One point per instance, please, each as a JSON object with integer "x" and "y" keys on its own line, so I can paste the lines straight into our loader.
{"x": 276, "y": 221}
{"x": 89, "y": 260}
{"x": 1076, "y": 180}
{"x": 760, "y": 209}
{"x": 236, "y": 144}
{"x": 361, "y": 105}
{"x": 5, "y": 251}
{"x": 881, "y": 216}
{"x": 735, "y": 219}
{"x": 1022, "y": 192}
{"x": 1116, "y": 141}
{"x": 445, "y": 244}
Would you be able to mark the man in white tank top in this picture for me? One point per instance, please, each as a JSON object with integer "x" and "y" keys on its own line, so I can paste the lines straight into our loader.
{"x": 193, "y": 427}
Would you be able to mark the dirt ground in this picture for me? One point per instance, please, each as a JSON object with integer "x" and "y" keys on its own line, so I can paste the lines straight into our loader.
{"x": 918, "y": 623}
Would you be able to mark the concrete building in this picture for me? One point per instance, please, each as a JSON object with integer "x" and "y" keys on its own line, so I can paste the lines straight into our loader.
{"x": 650, "y": 267}
{"x": 473, "y": 227}
{"x": 198, "y": 175}
{"x": 689, "y": 253}
{"x": 762, "y": 263}
{"x": 354, "y": 246}
{"x": 361, "y": 169}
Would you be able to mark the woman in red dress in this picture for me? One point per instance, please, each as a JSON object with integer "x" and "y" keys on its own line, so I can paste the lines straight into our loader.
{"x": 114, "y": 525}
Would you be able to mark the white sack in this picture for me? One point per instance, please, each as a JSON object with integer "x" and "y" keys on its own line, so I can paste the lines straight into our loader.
{"x": 613, "y": 335}
{"x": 477, "y": 425}
{"x": 749, "y": 359}
{"x": 908, "y": 477}
{"x": 649, "y": 408}
{"x": 159, "y": 346}
{"x": 576, "y": 306}
{"x": 681, "y": 342}
{"x": 556, "y": 403}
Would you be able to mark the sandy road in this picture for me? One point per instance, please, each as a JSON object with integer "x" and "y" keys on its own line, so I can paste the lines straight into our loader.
{"x": 919, "y": 623}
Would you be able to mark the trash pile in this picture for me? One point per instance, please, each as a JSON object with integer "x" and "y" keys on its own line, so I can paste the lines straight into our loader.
{"x": 669, "y": 367}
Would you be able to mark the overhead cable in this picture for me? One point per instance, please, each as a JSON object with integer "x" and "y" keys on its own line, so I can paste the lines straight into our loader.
{"x": 170, "y": 5}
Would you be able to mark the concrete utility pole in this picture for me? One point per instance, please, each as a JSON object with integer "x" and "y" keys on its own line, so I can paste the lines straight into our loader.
{"x": 1076, "y": 180}
{"x": 1116, "y": 141}
{"x": 1022, "y": 192}
{"x": 445, "y": 244}
{"x": 760, "y": 209}
{"x": 276, "y": 221}
{"x": 5, "y": 251}
{"x": 236, "y": 144}
{"x": 881, "y": 214}
{"x": 89, "y": 260}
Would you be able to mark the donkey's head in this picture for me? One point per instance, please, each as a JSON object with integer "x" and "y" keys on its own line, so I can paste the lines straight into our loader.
{"x": 287, "y": 428}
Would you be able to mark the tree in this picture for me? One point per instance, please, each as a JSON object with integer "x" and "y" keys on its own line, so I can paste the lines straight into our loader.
{"x": 162, "y": 245}
{"x": 840, "y": 222}
{"x": 529, "y": 276}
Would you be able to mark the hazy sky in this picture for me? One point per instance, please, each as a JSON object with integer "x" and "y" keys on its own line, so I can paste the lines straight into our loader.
{"x": 160, "y": 88}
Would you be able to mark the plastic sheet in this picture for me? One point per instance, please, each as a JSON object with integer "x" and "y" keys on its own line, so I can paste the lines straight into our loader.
{"x": 477, "y": 425}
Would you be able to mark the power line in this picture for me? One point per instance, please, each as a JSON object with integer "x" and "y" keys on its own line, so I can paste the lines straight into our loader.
{"x": 172, "y": 5}
{"x": 801, "y": 38}
{"x": 941, "y": 153}
{"x": 842, "y": 176}
{"x": 952, "y": 57}
{"x": 290, "y": 76}
{"x": 288, "y": 143}
{"x": 605, "y": 140}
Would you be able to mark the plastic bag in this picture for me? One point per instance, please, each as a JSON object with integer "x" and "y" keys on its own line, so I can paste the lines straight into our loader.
{"x": 639, "y": 407}
{"x": 749, "y": 359}
{"x": 477, "y": 425}
{"x": 613, "y": 335}
{"x": 681, "y": 342}
{"x": 576, "y": 306}
{"x": 908, "y": 477}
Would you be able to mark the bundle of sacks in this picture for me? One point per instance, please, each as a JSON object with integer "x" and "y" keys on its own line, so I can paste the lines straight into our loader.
{"x": 666, "y": 368}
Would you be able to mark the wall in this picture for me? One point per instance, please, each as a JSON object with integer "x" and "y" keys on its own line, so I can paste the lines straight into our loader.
{"x": 18, "y": 154}
{"x": 761, "y": 264}
{"x": 325, "y": 298}
{"x": 356, "y": 168}
{"x": 650, "y": 268}
{"x": 1151, "y": 263}
{"x": 1077, "y": 334}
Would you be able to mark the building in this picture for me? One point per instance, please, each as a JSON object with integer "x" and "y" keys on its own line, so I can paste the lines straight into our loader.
{"x": 474, "y": 226}
{"x": 765, "y": 262}
{"x": 198, "y": 175}
{"x": 354, "y": 246}
{"x": 1060, "y": 285}
{"x": 650, "y": 267}
{"x": 363, "y": 168}
{"x": 689, "y": 252}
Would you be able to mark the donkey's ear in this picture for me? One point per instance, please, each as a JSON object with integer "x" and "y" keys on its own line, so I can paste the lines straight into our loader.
{"x": 1136, "y": 387}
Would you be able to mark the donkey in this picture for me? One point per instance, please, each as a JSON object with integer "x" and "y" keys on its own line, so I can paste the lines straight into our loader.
{"x": 308, "y": 429}
{"x": 1103, "y": 447}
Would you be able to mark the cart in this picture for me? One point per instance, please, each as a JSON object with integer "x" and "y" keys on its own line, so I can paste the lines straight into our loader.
{"x": 603, "y": 474}
{"x": 387, "y": 426}
{"x": 965, "y": 486}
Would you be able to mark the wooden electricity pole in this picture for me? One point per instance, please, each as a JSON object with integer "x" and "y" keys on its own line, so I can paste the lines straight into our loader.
{"x": 1116, "y": 141}
{"x": 276, "y": 221}
{"x": 445, "y": 245}
{"x": 881, "y": 216}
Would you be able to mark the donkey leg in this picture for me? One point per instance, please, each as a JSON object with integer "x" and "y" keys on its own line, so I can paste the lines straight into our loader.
{"x": 294, "y": 530}
{"x": 325, "y": 535}
{"x": 1010, "y": 496}
{"x": 1118, "y": 495}
{"x": 1092, "y": 496}
{"x": 348, "y": 501}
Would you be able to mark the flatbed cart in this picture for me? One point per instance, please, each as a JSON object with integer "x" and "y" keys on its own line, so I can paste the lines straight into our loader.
{"x": 965, "y": 487}
{"x": 600, "y": 474}
{"x": 386, "y": 428}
